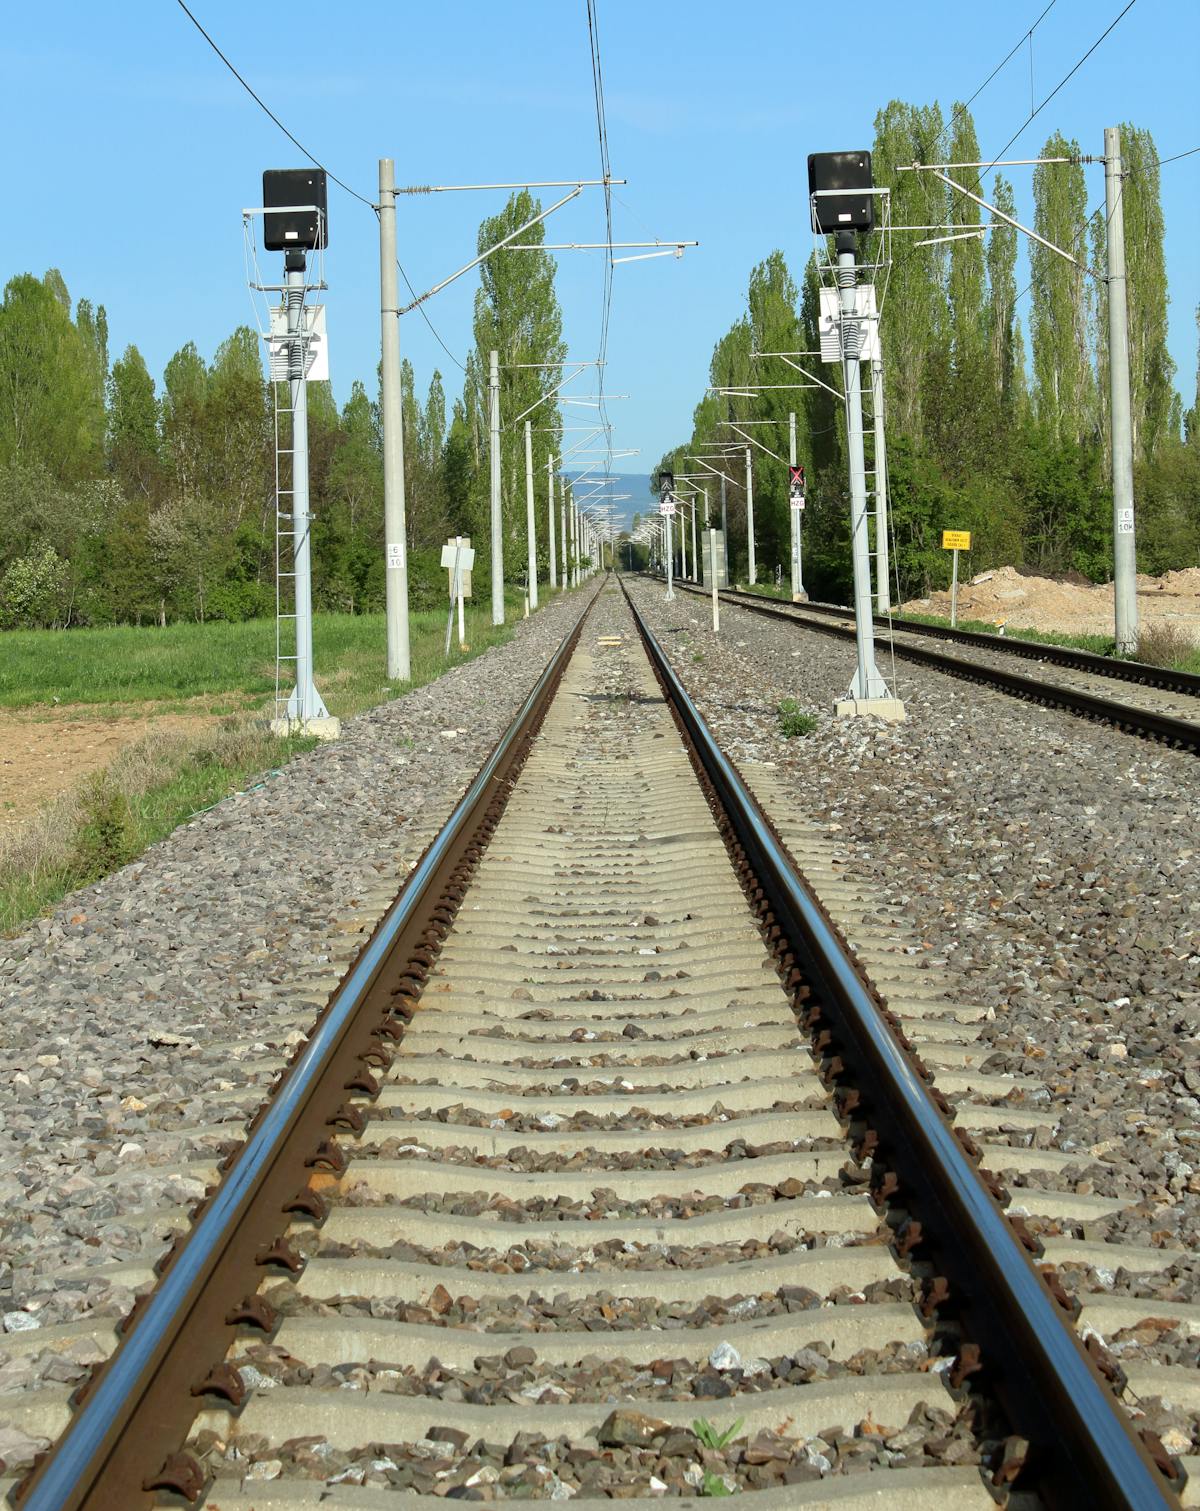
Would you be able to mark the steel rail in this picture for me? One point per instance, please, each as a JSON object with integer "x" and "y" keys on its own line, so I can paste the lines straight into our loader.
{"x": 1181, "y": 733}
{"x": 127, "y": 1398}
{"x": 1087, "y": 1452}
{"x": 1141, "y": 672}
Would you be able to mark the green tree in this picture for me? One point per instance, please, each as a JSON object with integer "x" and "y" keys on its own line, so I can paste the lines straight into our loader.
{"x": 1064, "y": 383}
{"x": 133, "y": 426}
{"x": 915, "y": 319}
{"x": 1007, "y": 365}
{"x": 51, "y": 405}
{"x": 1151, "y": 369}
{"x": 185, "y": 390}
{"x": 965, "y": 284}
{"x": 234, "y": 434}
{"x": 517, "y": 314}
{"x": 34, "y": 592}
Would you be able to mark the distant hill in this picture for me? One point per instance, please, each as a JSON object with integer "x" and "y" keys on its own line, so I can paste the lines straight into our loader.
{"x": 637, "y": 484}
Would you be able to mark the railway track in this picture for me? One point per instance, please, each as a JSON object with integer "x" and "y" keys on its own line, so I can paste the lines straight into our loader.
{"x": 1154, "y": 702}
{"x": 558, "y": 1201}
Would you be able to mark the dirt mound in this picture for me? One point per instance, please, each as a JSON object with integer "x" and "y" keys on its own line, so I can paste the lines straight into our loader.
{"x": 1006, "y": 596}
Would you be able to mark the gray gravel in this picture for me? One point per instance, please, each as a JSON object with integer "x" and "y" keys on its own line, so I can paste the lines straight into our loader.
{"x": 1049, "y": 868}
{"x": 142, "y": 1022}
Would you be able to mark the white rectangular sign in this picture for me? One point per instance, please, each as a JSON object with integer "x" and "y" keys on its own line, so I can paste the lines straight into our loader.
{"x": 465, "y": 555}
{"x": 1124, "y": 521}
{"x": 395, "y": 554}
{"x": 317, "y": 349}
{"x": 829, "y": 323}
{"x": 667, "y": 508}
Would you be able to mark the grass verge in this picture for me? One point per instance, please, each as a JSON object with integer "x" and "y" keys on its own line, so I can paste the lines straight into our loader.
{"x": 226, "y": 667}
{"x": 161, "y": 781}
{"x": 1159, "y": 644}
{"x": 151, "y": 788}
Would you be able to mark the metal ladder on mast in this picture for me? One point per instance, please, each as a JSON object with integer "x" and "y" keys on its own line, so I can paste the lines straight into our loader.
{"x": 285, "y": 550}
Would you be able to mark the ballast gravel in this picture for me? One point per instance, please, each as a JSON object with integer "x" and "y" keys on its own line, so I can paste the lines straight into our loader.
{"x": 1047, "y": 869}
{"x": 144, "y": 1020}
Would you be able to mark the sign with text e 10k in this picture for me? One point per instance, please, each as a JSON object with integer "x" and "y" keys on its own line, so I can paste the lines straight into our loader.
{"x": 956, "y": 540}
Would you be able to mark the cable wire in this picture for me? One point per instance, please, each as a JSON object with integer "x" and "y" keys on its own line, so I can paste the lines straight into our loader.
{"x": 341, "y": 183}
{"x": 1065, "y": 78}
{"x": 266, "y": 109}
{"x": 1025, "y": 37}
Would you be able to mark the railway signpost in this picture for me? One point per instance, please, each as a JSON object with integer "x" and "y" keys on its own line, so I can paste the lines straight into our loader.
{"x": 295, "y": 222}
{"x": 841, "y": 190}
{"x": 666, "y": 507}
{"x": 458, "y": 557}
{"x": 956, "y": 541}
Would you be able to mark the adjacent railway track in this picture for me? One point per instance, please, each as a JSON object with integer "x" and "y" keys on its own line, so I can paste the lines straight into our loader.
{"x": 1154, "y": 702}
{"x": 606, "y": 1174}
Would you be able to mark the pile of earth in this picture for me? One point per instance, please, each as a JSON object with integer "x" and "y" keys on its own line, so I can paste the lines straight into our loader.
{"x": 1070, "y": 606}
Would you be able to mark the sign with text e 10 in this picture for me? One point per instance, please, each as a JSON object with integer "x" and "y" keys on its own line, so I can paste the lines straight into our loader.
{"x": 956, "y": 540}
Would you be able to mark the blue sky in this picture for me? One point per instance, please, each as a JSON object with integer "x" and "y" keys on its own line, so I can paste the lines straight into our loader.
{"x": 132, "y": 151}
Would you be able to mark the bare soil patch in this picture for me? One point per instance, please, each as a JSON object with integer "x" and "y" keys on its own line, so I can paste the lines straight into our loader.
{"x": 1040, "y": 603}
{"x": 42, "y": 753}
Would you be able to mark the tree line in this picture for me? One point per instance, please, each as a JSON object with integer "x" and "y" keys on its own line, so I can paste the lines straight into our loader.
{"x": 126, "y": 500}
{"x": 981, "y": 434}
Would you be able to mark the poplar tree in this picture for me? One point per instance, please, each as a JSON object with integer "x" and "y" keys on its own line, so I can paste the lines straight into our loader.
{"x": 517, "y": 314}
{"x": 1151, "y": 368}
{"x": 774, "y": 327}
{"x": 915, "y": 317}
{"x": 1003, "y": 336}
{"x": 965, "y": 286}
{"x": 133, "y": 426}
{"x": 51, "y": 405}
{"x": 1063, "y": 315}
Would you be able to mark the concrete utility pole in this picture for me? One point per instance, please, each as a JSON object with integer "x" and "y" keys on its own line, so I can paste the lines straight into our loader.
{"x": 574, "y": 535}
{"x": 670, "y": 560}
{"x": 797, "y": 524}
{"x": 494, "y": 459}
{"x": 695, "y": 559}
{"x": 562, "y": 518}
{"x": 724, "y": 519}
{"x": 883, "y": 591}
{"x": 394, "y": 525}
{"x": 682, "y": 544}
{"x": 868, "y": 693}
{"x": 531, "y": 528}
{"x": 550, "y": 521}
{"x": 750, "y": 517}
{"x": 1124, "y": 539}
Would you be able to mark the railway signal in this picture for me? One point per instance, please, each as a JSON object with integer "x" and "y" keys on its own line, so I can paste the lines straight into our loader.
{"x": 295, "y": 223}
{"x": 841, "y": 199}
{"x": 666, "y": 507}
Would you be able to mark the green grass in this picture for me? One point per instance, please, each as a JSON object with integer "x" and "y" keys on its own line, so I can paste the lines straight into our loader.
{"x": 227, "y": 667}
{"x": 1170, "y": 653}
{"x": 113, "y": 816}
{"x": 1100, "y": 645}
{"x": 163, "y": 780}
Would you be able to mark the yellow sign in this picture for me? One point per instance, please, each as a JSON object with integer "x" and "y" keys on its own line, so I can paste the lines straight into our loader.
{"x": 956, "y": 540}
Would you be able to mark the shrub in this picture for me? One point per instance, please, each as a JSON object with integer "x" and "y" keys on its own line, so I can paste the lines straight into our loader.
{"x": 107, "y": 837}
{"x": 33, "y": 591}
{"x": 793, "y": 720}
{"x": 1166, "y": 644}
